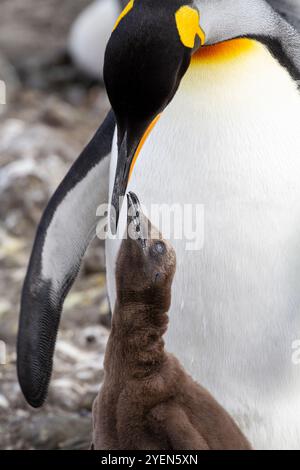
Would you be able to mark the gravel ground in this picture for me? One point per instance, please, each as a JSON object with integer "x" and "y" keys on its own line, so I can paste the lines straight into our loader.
{"x": 50, "y": 115}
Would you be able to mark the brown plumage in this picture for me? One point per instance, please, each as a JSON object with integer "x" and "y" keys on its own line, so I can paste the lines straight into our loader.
{"x": 147, "y": 400}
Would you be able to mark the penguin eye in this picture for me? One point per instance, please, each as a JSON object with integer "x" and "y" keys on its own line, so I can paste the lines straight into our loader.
{"x": 157, "y": 278}
{"x": 158, "y": 248}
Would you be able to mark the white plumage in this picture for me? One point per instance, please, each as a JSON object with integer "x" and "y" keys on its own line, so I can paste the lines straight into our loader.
{"x": 230, "y": 140}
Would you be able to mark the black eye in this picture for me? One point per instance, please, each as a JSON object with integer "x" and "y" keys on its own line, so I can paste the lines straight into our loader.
{"x": 159, "y": 248}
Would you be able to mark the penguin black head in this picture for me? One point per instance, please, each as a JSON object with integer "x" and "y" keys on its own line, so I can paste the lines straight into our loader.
{"x": 146, "y": 262}
{"x": 151, "y": 48}
{"x": 146, "y": 57}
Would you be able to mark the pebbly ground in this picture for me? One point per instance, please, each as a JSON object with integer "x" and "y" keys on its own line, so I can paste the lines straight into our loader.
{"x": 51, "y": 113}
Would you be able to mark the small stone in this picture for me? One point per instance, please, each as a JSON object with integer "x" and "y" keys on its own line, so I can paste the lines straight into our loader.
{"x": 4, "y": 403}
{"x": 58, "y": 114}
{"x": 5, "y": 307}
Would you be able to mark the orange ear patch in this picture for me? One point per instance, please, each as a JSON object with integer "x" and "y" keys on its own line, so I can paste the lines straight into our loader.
{"x": 188, "y": 26}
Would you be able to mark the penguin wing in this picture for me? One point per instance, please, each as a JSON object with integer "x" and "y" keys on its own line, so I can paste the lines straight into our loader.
{"x": 65, "y": 231}
{"x": 289, "y": 9}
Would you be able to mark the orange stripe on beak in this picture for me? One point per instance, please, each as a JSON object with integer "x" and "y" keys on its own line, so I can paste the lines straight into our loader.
{"x": 143, "y": 140}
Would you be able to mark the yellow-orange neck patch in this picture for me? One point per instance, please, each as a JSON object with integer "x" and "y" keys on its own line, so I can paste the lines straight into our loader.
{"x": 188, "y": 25}
{"x": 224, "y": 51}
{"x": 126, "y": 10}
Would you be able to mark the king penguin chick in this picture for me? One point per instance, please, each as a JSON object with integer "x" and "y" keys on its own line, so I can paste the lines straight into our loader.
{"x": 147, "y": 400}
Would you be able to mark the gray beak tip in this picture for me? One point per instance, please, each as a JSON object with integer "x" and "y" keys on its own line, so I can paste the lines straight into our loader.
{"x": 135, "y": 219}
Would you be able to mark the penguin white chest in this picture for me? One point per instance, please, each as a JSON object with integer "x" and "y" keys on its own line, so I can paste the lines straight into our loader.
{"x": 230, "y": 141}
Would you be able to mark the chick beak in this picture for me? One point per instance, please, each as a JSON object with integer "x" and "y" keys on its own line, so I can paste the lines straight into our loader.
{"x": 137, "y": 227}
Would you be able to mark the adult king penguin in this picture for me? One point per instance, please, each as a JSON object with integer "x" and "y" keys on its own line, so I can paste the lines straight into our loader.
{"x": 228, "y": 138}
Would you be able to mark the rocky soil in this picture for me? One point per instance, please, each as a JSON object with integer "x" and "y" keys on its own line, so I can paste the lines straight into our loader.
{"x": 51, "y": 113}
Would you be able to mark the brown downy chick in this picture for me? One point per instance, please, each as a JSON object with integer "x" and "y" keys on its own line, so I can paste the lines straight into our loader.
{"x": 147, "y": 400}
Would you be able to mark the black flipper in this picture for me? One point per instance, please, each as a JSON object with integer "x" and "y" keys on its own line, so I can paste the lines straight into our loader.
{"x": 66, "y": 229}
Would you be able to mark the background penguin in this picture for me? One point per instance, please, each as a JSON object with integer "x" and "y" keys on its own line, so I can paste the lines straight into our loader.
{"x": 90, "y": 33}
{"x": 147, "y": 400}
{"x": 228, "y": 138}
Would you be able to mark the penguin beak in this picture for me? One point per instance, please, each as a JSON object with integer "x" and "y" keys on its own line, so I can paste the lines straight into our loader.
{"x": 129, "y": 149}
{"x": 136, "y": 222}
{"x": 125, "y": 158}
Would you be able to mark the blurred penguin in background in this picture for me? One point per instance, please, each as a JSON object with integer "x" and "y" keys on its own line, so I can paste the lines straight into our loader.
{"x": 90, "y": 33}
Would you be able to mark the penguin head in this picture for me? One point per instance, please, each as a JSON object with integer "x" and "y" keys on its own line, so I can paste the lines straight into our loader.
{"x": 146, "y": 262}
{"x": 150, "y": 50}
{"x": 146, "y": 57}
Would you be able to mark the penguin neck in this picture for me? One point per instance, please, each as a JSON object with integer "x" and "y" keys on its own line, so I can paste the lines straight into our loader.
{"x": 219, "y": 55}
{"x": 256, "y": 20}
{"x": 136, "y": 347}
{"x": 232, "y": 76}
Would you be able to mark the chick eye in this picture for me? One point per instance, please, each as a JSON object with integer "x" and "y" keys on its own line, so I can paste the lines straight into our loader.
{"x": 159, "y": 248}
